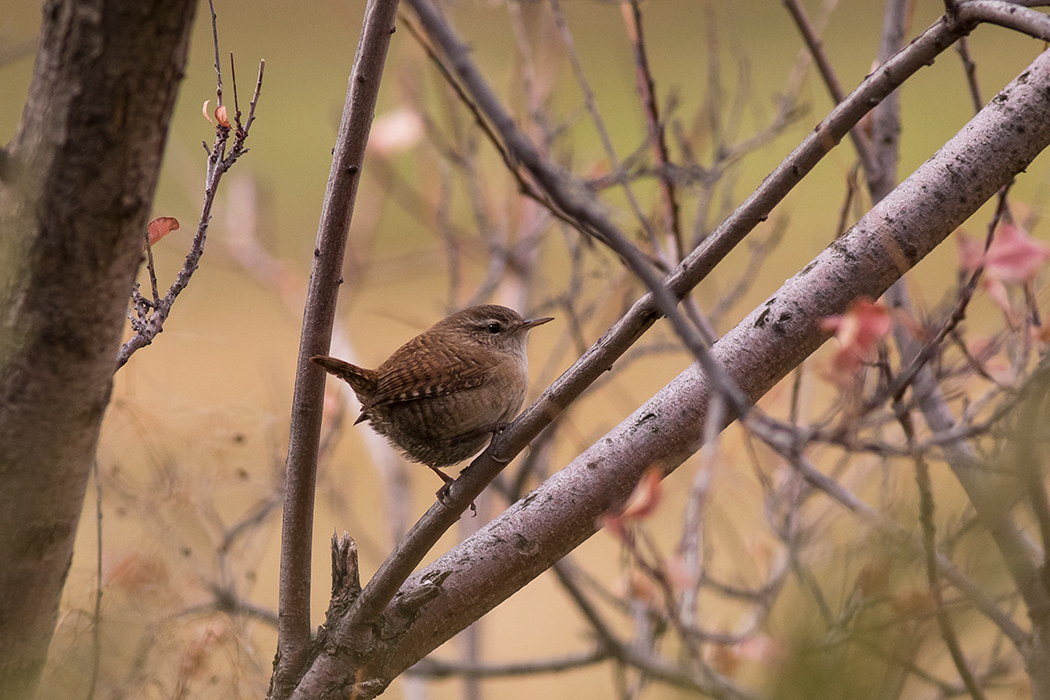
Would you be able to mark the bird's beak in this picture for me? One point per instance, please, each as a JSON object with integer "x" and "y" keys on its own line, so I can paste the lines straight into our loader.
{"x": 533, "y": 322}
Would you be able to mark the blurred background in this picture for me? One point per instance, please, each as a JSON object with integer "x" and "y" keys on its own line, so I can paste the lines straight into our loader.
{"x": 191, "y": 456}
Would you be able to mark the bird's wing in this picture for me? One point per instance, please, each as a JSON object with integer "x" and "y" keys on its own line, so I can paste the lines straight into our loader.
{"x": 417, "y": 370}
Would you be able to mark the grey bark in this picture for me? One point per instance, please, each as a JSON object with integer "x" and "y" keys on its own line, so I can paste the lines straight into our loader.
{"x": 75, "y": 198}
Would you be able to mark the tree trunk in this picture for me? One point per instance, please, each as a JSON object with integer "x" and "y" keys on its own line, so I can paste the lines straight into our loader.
{"x": 76, "y": 192}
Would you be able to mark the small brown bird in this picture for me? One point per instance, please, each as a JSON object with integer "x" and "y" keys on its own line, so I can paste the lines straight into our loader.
{"x": 444, "y": 393}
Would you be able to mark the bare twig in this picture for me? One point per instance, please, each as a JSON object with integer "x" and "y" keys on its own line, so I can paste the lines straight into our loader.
{"x": 527, "y": 188}
{"x": 929, "y": 541}
{"x": 970, "y": 68}
{"x": 590, "y": 103}
{"x": 150, "y": 322}
{"x": 152, "y": 271}
{"x": 1005, "y": 14}
{"x": 798, "y": 14}
{"x": 847, "y": 202}
{"x": 1031, "y": 421}
{"x": 441, "y": 668}
{"x": 632, "y": 13}
{"x": 907, "y": 376}
{"x": 887, "y": 526}
{"x": 215, "y": 43}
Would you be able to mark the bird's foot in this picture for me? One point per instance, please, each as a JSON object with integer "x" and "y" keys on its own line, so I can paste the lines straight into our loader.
{"x": 443, "y": 494}
{"x": 495, "y": 429}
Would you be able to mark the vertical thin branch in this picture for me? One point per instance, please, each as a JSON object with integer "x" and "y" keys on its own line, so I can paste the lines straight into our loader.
{"x": 970, "y": 68}
{"x": 591, "y": 105}
{"x": 714, "y": 99}
{"x": 318, "y": 319}
{"x": 886, "y": 117}
{"x": 152, "y": 271}
{"x": 233, "y": 79}
{"x": 215, "y": 43}
{"x": 632, "y": 14}
{"x": 929, "y": 540}
{"x": 692, "y": 542}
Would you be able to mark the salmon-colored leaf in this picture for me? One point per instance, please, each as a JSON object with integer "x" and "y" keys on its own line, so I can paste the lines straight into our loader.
{"x": 858, "y": 332}
{"x": 873, "y": 580}
{"x": 914, "y": 603}
{"x": 645, "y": 497}
{"x": 220, "y": 116}
{"x": 614, "y": 524}
{"x": 161, "y": 227}
{"x": 206, "y": 112}
{"x": 763, "y": 648}
{"x": 640, "y": 504}
{"x": 759, "y": 648}
{"x": 1015, "y": 256}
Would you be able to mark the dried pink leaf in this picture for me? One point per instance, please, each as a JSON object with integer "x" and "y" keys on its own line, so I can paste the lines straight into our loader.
{"x": 645, "y": 497}
{"x": 1015, "y": 256}
{"x": 220, "y": 116}
{"x": 161, "y": 227}
{"x": 858, "y": 331}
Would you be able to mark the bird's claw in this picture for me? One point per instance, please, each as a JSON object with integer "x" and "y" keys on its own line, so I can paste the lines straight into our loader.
{"x": 444, "y": 497}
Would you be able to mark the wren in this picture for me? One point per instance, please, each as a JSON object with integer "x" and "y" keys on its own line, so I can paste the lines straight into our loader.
{"x": 443, "y": 394}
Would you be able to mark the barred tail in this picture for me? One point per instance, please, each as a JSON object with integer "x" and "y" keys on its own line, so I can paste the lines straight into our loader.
{"x": 362, "y": 381}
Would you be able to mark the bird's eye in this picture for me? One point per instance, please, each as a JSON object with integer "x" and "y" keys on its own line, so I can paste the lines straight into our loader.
{"x": 494, "y": 328}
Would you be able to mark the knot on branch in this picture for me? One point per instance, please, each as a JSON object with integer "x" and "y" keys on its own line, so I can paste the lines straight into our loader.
{"x": 368, "y": 689}
{"x": 346, "y": 576}
{"x": 405, "y": 606}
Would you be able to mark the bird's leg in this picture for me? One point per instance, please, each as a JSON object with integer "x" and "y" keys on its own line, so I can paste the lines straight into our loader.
{"x": 493, "y": 428}
{"x": 444, "y": 477}
{"x": 443, "y": 492}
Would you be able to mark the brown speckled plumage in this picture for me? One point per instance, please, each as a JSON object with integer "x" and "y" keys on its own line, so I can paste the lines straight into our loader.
{"x": 441, "y": 395}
